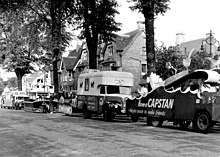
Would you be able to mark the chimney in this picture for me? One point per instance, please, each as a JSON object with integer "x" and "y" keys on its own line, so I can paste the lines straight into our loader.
{"x": 180, "y": 38}
{"x": 140, "y": 25}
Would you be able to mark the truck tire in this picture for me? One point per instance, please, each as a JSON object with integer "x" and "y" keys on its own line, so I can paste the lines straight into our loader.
{"x": 134, "y": 117}
{"x": 184, "y": 124}
{"x": 107, "y": 116}
{"x": 202, "y": 122}
{"x": 155, "y": 122}
{"x": 149, "y": 121}
{"x": 87, "y": 114}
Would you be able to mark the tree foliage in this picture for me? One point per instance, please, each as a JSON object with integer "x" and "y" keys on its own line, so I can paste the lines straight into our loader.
{"x": 96, "y": 20}
{"x": 34, "y": 29}
{"x": 2, "y": 86}
{"x": 150, "y": 9}
{"x": 200, "y": 60}
{"x": 170, "y": 54}
{"x": 20, "y": 40}
{"x": 11, "y": 83}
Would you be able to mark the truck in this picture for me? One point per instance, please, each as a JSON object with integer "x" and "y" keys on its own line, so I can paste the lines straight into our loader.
{"x": 101, "y": 93}
{"x": 182, "y": 99}
{"x": 13, "y": 99}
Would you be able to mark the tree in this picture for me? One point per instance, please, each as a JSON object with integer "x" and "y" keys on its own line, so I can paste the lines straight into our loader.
{"x": 19, "y": 39}
{"x": 55, "y": 14}
{"x": 199, "y": 60}
{"x": 171, "y": 55}
{"x": 96, "y": 19}
{"x": 12, "y": 83}
{"x": 150, "y": 9}
{"x": 50, "y": 17}
{"x": 2, "y": 86}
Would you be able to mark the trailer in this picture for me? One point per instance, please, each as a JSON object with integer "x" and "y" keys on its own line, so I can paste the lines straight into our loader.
{"x": 101, "y": 93}
{"x": 13, "y": 99}
{"x": 190, "y": 98}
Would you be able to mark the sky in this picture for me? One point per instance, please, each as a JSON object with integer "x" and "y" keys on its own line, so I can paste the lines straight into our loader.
{"x": 194, "y": 18}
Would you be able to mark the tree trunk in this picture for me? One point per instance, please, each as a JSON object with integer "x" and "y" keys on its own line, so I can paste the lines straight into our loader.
{"x": 149, "y": 27}
{"x": 19, "y": 73}
{"x": 91, "y": 33}
{"x": 92, "y": 54}
{"x": 149, "y": 30}
{"x": 56, "y": 41}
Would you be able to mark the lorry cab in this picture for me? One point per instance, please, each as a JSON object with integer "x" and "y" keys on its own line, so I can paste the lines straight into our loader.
{"x": 103, "y": 92}
{"x": 183, "y": 99}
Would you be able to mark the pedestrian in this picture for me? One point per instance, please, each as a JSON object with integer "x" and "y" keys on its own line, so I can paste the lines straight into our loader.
{"x": 170, "y": 70}
{"x": 144, "y": 90}
{"x": 61, "y": 100}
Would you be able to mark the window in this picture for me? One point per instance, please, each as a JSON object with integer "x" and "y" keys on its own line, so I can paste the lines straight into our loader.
{"x": 70, "y": 74}
{"x": 85, "y": 56}
{"x": 87, "y": 84}
{"x": 143, "y": 50}
{"x": 102, "y": 90}
{"x": 113, "y": 90}
{"x": 110, "y": 50}
{"x": 144, "y": 68}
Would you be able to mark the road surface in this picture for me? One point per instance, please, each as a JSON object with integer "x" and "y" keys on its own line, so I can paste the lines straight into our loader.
{"x": 25, "y": 134}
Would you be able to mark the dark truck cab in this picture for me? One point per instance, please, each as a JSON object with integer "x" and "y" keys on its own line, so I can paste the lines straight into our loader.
{"x": 182, "y": 99}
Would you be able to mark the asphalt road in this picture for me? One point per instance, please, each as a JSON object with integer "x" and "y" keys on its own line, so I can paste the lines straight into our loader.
{"x": 26, "y": 134}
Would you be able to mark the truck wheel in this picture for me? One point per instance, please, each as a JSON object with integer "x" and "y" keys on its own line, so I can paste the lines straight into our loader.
{"x": 203, "y": 123}
{"x": 156, "y": 122}
{"x": 134, "y": 117}
{"x": 107, "y": 116}
{"x": 184, "y": 124}
{"x": 87, "y": 114}
{"x": 149, "y": 121}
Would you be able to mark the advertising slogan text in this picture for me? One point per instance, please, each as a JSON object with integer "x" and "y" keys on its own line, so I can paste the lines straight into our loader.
{"x": 158, "y": 103}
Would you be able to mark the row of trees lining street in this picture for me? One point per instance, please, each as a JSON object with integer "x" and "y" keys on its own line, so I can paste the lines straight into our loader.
{"x": 33, "y": 32}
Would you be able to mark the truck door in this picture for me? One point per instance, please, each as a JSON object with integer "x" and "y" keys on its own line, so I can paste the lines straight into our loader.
{"x": 185, "y": 105}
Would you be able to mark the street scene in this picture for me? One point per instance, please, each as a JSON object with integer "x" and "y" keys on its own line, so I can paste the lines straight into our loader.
{"x": 37, "y": 134}
{"x": 109, "y": 78}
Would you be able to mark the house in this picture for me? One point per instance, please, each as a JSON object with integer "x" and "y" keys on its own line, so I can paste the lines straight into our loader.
{"x": 198, "y": 44}
{"x": 67, "y": 77}
{"x": 37, "y": 85}
{"x": 126, "y": 53}
{"x": 70, "y": 67}
{"x": 202, "y": 44}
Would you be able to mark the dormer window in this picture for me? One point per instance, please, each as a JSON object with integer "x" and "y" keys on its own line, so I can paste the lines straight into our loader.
{"x": 143, "y": 51}
{"x": 144, "y": 68}
{"x": 110, "y": 50}
{"x": 85, "y": 55}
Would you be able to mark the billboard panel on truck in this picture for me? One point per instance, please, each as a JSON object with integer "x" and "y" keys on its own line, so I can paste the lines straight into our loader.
{"x": 192, "y": 98}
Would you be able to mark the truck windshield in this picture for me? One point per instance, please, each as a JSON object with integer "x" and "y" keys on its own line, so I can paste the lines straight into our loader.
{"x": 21, "y": 98}
{"x": 118, "y": 90}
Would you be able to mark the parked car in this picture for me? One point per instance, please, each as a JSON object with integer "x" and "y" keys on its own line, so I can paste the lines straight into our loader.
{"x": 39, "y": 105}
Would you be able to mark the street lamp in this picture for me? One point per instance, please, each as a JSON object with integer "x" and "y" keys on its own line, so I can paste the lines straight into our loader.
{"x": 210, "y": 40}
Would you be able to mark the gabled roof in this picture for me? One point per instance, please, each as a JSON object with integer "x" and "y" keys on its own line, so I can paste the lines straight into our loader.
{"x": 33, "y": 76}
{"x": 69, "y": 62}
{"x": 121, "y": 42}
{"x": 73, "y": 53}
{"x": 189, "y": 45}
{"x": 196, "y": 45}
{"x": 110, "y": 59}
